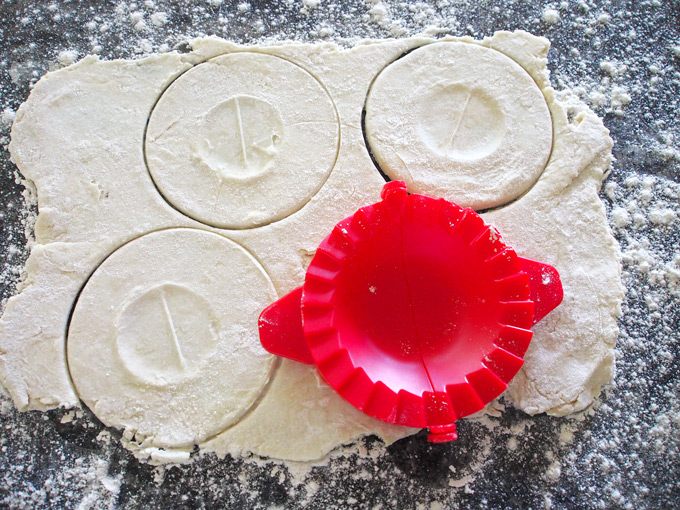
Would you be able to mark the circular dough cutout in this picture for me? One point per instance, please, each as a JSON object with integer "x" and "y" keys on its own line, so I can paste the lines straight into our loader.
{"x": 163, "y": 339}
{"x": 460, "y": 121}
{"x": 242, "y": 140}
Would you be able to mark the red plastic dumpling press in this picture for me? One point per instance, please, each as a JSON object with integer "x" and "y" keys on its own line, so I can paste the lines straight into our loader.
{"x": 414, "y": 310}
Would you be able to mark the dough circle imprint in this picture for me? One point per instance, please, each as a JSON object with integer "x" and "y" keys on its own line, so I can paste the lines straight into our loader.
{"x": 242, "y": 140}
{"x": 163, "y": 339}
{"x": 449, "y": 116}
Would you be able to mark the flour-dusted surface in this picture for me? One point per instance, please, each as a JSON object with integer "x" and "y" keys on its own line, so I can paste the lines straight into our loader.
{"x": 125, "y": 354}
{"x": 601, "y": 49}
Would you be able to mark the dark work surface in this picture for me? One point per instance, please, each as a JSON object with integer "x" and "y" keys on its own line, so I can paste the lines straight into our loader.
{"x": 624, "y": 451}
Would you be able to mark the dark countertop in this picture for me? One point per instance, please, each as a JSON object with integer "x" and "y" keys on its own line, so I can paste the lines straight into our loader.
{"x": 624, "y": 451}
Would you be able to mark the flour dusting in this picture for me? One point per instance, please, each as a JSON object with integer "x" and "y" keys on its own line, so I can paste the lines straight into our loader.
{"x": 619, "y": 453}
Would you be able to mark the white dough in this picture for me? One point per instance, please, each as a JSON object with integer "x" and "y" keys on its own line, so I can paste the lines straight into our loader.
{"x": 161, "y": 341}
{"x": 242, "y": 140}
{"x": 459, "y": 121}
{"x": 96, "y": 194}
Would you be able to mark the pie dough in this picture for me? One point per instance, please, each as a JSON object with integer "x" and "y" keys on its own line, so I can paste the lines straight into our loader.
{"x": 236, "y": 153}
{"x": 96, "y": 193}
{"x": 459, "y": 121}
{"x": 161, "y": 339}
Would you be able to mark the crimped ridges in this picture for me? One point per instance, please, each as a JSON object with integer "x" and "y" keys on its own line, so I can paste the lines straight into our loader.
{"x": 487, "y": 243}
{"x": 448, "y": 214}
{"x": 511, "y": 288}
{"x": 514, "y": 340}
{"x": 488, "y": 378}
{"x": 503, "y": 364}
{"x": 417, "y": 209}
{"x": 382, "y": 403}
{"x": 438, "y": 408}
{"x": 464, "y": 398}
{"x": 331, "y": 252}
{"x": 362, "y": 223}
{"x": 354, "y": 388}
{"x": 340, "y": 240}
{"x": 503, "y": 263}
{"x": 317, "y": 284}
{"x": 486, "y": 384}
{"x": 518, "y": 313}
{"x": 331, "y": 259}
{"x": 320, "y": 273}
{"x": 316, "y": 321}
{"x": 470, "y": 225}
{"x": 319, "y": 298}
{"x": 324, "y": 343}
{"x": 410, "y": 410}
{"x": 337, "y": 368}
{"x": 514, "y": 287}
{"x": 325, "y": 266}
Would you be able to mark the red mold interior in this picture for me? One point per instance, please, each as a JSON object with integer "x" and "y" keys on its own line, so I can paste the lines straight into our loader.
{"x": 415, "y": 311}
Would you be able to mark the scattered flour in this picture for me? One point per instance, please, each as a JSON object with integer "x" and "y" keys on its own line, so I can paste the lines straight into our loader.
{"x": 550, "y": 16}
{"x": 67, "y": 57}
{"x": 622, "y": 455}
{"x": 159, "y": 19}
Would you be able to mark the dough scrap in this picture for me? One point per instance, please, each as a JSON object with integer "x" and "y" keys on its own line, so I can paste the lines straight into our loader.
{"x": 95, "y": 194}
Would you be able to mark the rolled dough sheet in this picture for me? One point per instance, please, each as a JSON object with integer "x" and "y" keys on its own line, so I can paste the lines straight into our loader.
{"x": 96, "y": 193}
